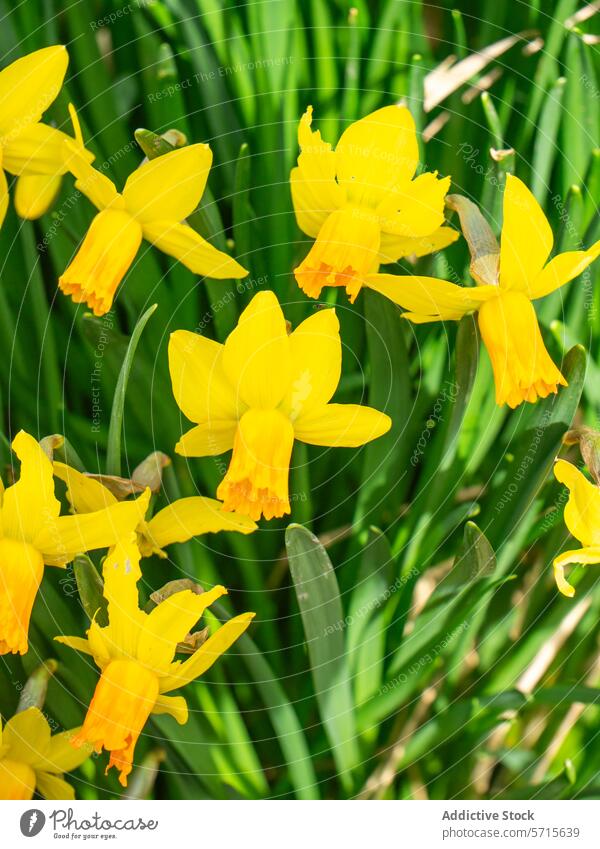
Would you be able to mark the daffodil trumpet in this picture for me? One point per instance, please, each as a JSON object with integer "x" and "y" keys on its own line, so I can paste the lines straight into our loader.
{"x": 135, "y": 653}
{"x": 33, "y": 534}
{"x": 260, "y": 391}
{"x": 362, "y": 203}
{"x": 582, "y": 518}
{"x": 519, "y": 274}
{"x": 156, "y": 200}
{"x": 32, "y": 760}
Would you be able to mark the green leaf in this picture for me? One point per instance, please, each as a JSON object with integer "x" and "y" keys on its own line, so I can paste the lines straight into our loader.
{"x": 545, "y": 147}
{"x": 436, "y": 630}
{"x": 441, "y": 476}
{"x": 320, "y": 605}
{"x": 281, "y": 713}
{"x": 576, "y": 138}
{"x": 384, "y": 477}
{"x": 547, "y": 67}
{"x": 508, "y": 503}
{"x": 369, "y": 615}
{"x": 113, "y": 452}
{"x": 352, "y": 69}
{"x": 475, "y": 561}
{"x": 243, "y": 214}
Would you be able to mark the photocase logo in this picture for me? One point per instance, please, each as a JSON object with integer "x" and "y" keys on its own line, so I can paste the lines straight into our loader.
{"x": 32, "y": 822}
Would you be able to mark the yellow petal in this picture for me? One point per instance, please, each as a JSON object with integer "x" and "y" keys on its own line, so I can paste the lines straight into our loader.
{"x": 428, "y": 296}
{"x": 121, "y": 572}
{"x": 190, "y": 517}
{"x": 526, "y": 239}
{"x": 109, "y": 248}
{"x": 583, "y": 556}
{"x": 29, "y": 503}
{"x": 95, "y": 186}
{"x": 201, "y": 388}
{"x": 17, "y": 780}
{"x": 415, "y": 209}
{"x": 62, "y": 538}
{"x": 377, "y": 153}
{"x": 61, "y": 755}
{"x": 187, "y": 246}
{"x": 35, "y": 194}
{"x": 420, "y": 318}
{"x": 170, "y": 186}
{"x": 21, "y": 570}
{"x": 100, "y": 645}
{"x": 77, "y": 134}
{"x": 204, "y": 657}
{"x": 257, "y": 357}
{"x": 3, "y": 193}
{"x": 523, "y": 369}
{"x": 311, "y": 212}
{"x": 345, "y": 252}
{"x": 52, "y": 787}
{"x": 562, "y": 269}
{"x": 78, "y": 643}
{"x": 37, "y": 149}
{"x": 316, "y": 351}
{"x": 175, "y": 706}
{"x": 84, "y": 493}
{"x": 315, "y": 190}
{"x": 29, "y": 85}
{"x": 207, "y": 440}
{"x": 256, "y": 482}
{"x": 582, "y": 511}
{"x": 169, "y": 623}
{"x": 341, "y": 425}
{"x": 27, "y": 736}
{"x": 393, "y": 248}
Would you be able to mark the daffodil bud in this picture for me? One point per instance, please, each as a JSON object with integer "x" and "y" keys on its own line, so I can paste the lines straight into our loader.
{"x": 34, "y": 692}
{"x": 589, "y": 446}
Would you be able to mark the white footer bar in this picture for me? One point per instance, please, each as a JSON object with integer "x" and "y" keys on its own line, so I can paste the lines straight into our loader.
{"x": 302, "y": 825}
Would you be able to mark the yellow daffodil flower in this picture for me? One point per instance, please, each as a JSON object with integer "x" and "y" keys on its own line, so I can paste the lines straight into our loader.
{"x": 257, "y": 393}
{"x": 523, "y": 370}
{"x": 157, "y": 197}
{"x": 135, "y": 654}
{"x": 362, "y": 202}
{"x": 30, "y": 150}
{"x": 582, "y": 518}
{"x": 33, "y": 534}
{"x": 178, "y": 522}
{"x": 35, "y": 193}
{"x": 31, "y": 760}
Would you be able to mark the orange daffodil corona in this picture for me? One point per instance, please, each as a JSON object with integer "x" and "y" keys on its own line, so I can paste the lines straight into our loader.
{"x": 33, "y": 534}
{"x": 33, "y": 761}
{"x": 135, "y": 653}
{"x": 156, "y": 199}
{"x": 30, "y": 150}
{"x": 259, "y": 392}
{"x": 582, "y": 518}
{"x": 362, "y": 202}
{"x": 523, "y": 370}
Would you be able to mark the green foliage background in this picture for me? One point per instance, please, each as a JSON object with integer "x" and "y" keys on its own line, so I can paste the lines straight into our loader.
{"x": 434, "y": 657}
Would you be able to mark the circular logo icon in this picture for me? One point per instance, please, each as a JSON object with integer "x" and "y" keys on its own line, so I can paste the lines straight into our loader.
{"x": 32, "y": 822}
